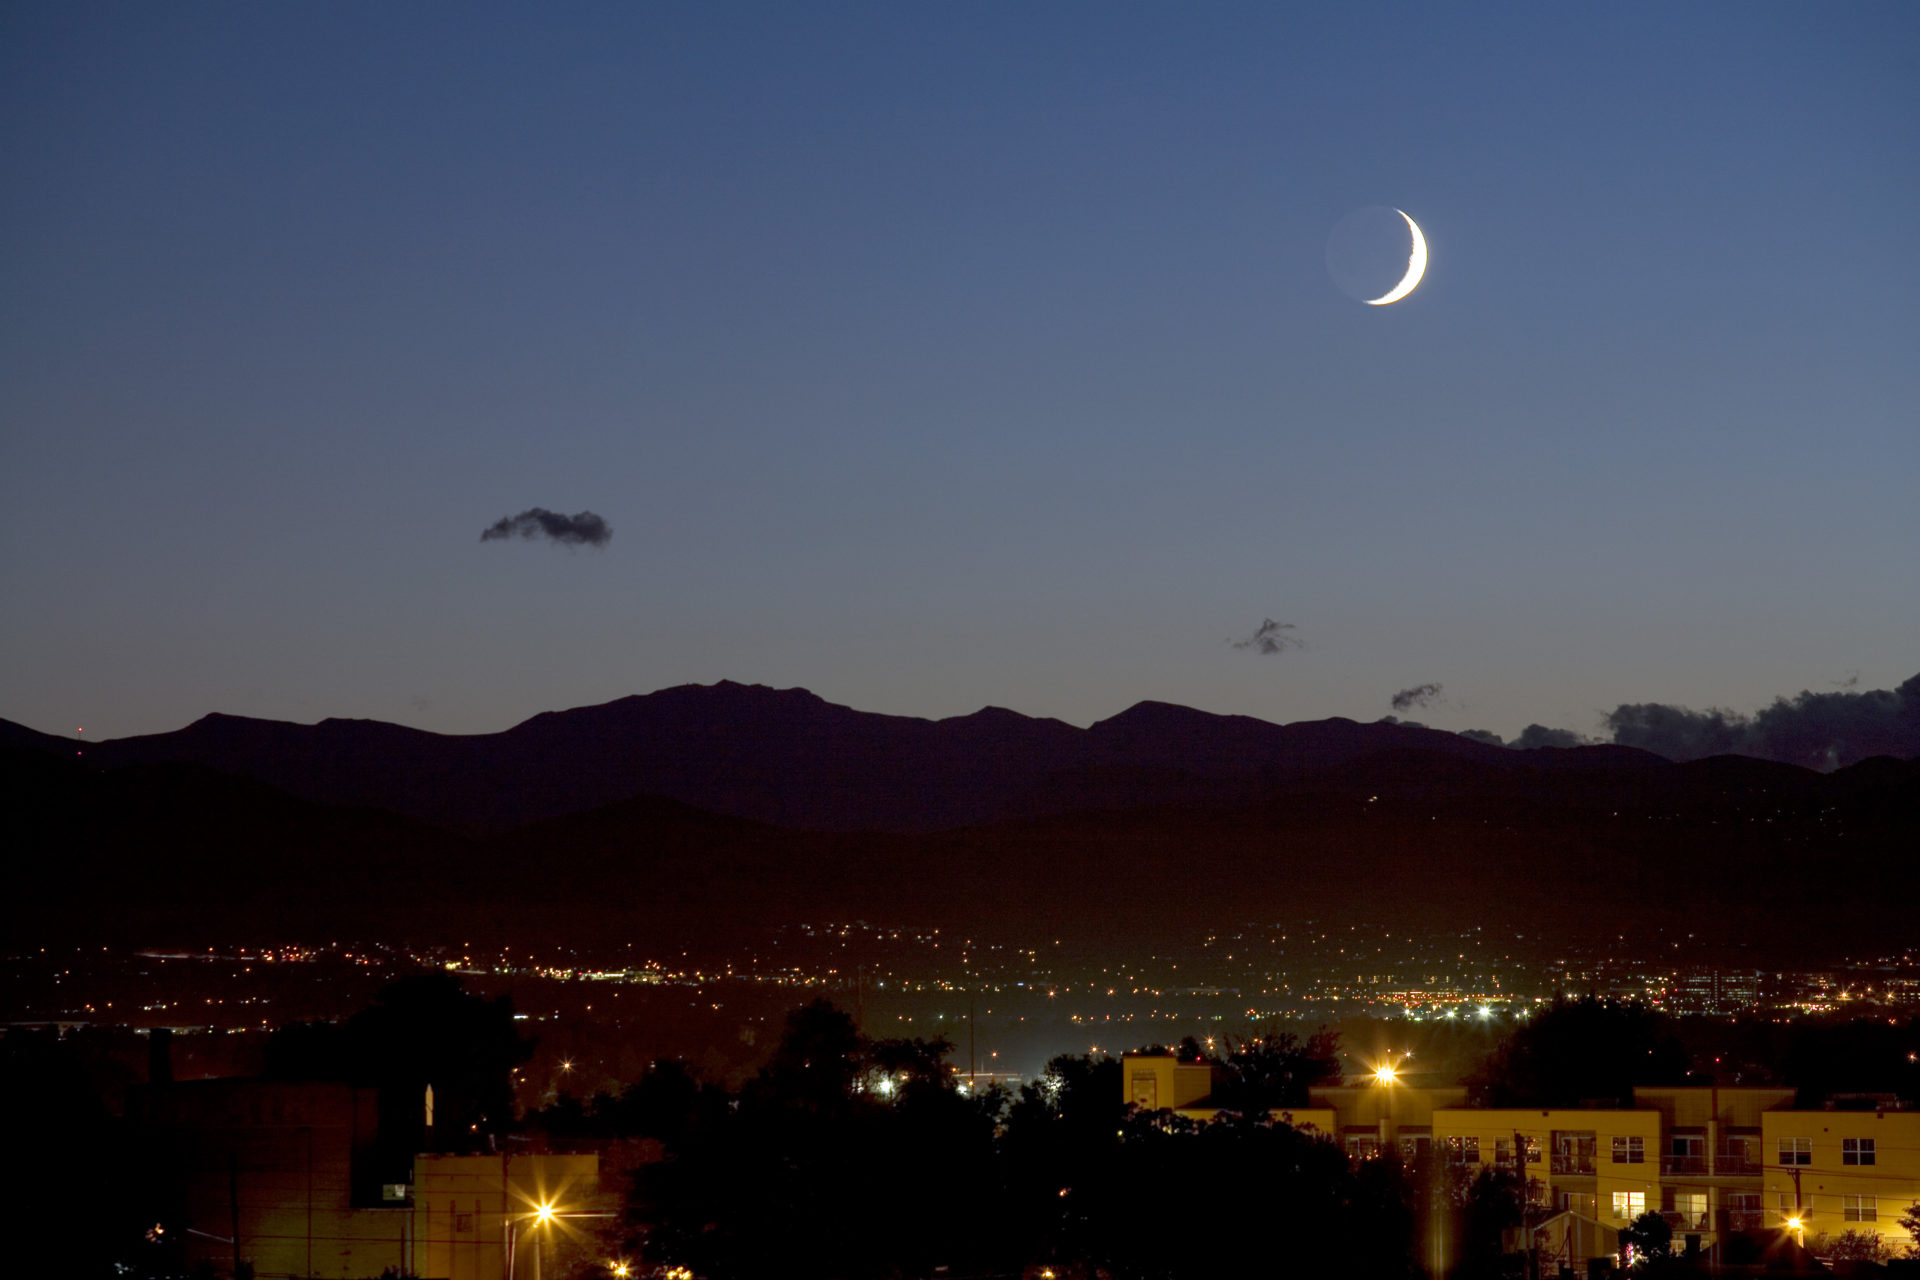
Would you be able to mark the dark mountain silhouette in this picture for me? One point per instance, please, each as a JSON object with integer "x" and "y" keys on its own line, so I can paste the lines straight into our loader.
{"x": 172, "y": 850}
{"x": 1581, "y": 845}
{"x": 782, "y": 756}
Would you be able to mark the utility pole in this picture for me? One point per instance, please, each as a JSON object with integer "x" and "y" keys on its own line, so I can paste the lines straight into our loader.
{"x": 309, "y": 1132}
{"x": 233, "y": 1204}
{"x": 972, "y": 1062}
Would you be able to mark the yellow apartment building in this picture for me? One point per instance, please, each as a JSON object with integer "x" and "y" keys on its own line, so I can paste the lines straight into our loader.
{"x": 1832, "y": 1171}
{"x": 276, "y": 1175}
{"x": 1710, "y": 1160}
{"x": 501, "y": 1217}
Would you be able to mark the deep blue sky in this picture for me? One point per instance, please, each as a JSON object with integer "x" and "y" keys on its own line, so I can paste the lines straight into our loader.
{"x": 936, "y": 356}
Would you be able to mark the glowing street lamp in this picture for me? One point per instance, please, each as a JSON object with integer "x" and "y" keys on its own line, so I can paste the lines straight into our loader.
{"x": 1386, "y": 1075}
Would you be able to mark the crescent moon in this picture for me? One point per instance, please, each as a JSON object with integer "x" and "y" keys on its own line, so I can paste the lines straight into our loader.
{"x": 1416, "y": 267}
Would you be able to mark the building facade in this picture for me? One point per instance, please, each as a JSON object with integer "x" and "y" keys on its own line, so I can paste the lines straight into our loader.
{"x": 1711, "y": 1161}
{"x": 288, "y": 1178}
{"x": 1840, "y": 1170}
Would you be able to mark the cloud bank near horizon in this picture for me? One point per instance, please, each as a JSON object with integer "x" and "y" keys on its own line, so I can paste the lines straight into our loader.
{"x": 1813, "y": 730}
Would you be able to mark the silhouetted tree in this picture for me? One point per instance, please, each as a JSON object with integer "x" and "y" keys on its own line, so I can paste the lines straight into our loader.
{"x": 1578, "y": 1051}
{"x": 1855, "y": 1246}
{"x": 76, "y": 1186}
{"x": 1492, "y": 1202}
{"x": 420, "y": 1031}
{"x": 1858, "y": 1055}
{"x": 1275, "y": 1070}
{"x": 1649, "y": 1235}
{"x": 1061, "y": 1132}
{"x": 818, "y": 1170}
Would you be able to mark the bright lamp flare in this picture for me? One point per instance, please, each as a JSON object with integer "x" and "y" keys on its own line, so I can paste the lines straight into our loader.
{"x": 1385, "y": 1075}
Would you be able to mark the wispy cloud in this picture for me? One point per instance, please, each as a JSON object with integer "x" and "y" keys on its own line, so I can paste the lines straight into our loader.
{"x": 1271, "y": 637}
{"x": 1420, "y": 695}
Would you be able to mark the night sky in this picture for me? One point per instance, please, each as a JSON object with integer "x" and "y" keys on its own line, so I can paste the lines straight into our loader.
{"x": 933, "y": 356}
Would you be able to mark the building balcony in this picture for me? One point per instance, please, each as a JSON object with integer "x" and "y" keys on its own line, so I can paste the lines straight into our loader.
{"x": 1565, "y": 1162}
{"x": 1687, "y": 1221}
{"x": 1737, "y": 1164}
{"x": 1750, "y": 1219}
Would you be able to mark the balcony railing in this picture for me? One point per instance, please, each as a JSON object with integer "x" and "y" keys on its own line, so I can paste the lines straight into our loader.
{"x": 1572, "y": 1162}
{"x": 1687, "y": 1221}
{"x": 1748, "y": 1219}
{"x": 1735, "y": 1162}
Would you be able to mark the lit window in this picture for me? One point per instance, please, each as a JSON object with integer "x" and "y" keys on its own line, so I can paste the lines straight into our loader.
{"x": 1629, "y": 1150}
{"x": 1856, "y": 1151}
{"x": 1796, "y": 1151}
{"x": 1859, "y": 1208}
{"x": 1463, "y": 1150}
{"x": 1628, "y": 1205}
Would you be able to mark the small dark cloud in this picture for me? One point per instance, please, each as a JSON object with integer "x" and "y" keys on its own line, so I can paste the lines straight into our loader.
{"x": 581, "y": 529}
{"x": 1421, "y": 695}
{"x": 1270, "y": 638}
{"x": 1814, "y": 730}
{"x": 1487, "y": 736}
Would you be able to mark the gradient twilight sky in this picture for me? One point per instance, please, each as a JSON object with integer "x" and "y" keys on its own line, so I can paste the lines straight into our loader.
{"x": 932, "y": 356}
